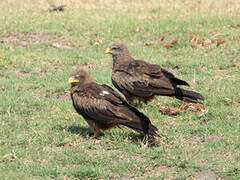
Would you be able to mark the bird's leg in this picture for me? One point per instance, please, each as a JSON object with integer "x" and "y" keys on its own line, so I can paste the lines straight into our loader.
{"x": 94, "y": 128}
{"x": 95, "y": 135}
{"x": 145, "y": 140}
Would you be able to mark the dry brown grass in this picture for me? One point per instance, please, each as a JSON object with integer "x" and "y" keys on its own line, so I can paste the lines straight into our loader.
{"x": 184, "y": 6}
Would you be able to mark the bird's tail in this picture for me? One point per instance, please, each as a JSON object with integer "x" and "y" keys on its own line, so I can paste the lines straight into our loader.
{"x": 145, "y": 129}
{"x": 152, "y": 130}
{"x": 141, "y": 124}
{"x": 188, "y": 96}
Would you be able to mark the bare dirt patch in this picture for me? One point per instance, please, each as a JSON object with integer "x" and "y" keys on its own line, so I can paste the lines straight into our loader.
{"x": 157, "y": 171}
{"x": 62, "y": 95}
{"x": 63, "y": 42}
{"x": 203, "y": 69}
{"x": 65, "y": 95}
{"x": 91, "y": 66}
{"x": 138, "y": 157}
{"x": 225, "y": 156}
{"x": 52, "y": 149}
{"x": 126, "y": 177}
{"x": 206, "y": 175}
{"x": 21, "y": 73}
{"x": 103, "y": 150}
{"x": 4, "y": 75}
{"x": 8, "y": 158}
{"x": 200, "y": 140}
{"x": 26, "y": 39}
{"x": 40, "y": 93}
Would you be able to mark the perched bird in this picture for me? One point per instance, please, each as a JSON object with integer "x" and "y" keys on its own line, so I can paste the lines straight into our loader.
{"x": 103, "y": 108}
{"x": 137, "y": 79}
{"x": 57, "y": 8}
{"x": 54, "y": 7}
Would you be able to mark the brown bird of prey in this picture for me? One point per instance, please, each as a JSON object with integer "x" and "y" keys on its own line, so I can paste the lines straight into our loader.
{"x": 103, "y": 108}
{"x": 137, "y": 79}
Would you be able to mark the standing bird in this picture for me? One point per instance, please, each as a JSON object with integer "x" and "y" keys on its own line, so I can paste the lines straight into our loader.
{"x": 137, "y": 79}
{"x": 103, "y": 108}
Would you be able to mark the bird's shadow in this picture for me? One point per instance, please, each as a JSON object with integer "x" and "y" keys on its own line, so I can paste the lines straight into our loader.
{"x": 81, "y": 130}
{"x": 87, "y": 132}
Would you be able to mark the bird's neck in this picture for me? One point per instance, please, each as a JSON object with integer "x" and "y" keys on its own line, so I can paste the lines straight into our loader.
{"x": 73, "y": 89}
{"x": 87, "y": 80}
{"x": 121, "y": 59}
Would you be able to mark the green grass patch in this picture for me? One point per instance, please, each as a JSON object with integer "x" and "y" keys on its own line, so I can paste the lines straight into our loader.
{"x": 41, "y": 135}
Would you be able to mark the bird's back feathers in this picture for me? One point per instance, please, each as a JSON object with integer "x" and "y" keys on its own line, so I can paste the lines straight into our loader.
{"x": 137, "y": 78}
{"x": 107, "y": 108}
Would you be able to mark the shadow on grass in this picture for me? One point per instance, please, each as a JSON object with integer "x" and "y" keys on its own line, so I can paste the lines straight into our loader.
{"x": 86, "y": 132}
{"x": 75, "y": 129}
{"x": 81, "y": 130}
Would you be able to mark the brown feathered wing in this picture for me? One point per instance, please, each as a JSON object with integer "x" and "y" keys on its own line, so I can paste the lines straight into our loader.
{"x": 139, "y": 78}
{"x": 107, "y": 108}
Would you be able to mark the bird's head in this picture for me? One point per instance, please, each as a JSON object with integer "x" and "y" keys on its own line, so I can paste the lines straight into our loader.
{"x": 117, "y": 49}
{"x": 79, "y": 77}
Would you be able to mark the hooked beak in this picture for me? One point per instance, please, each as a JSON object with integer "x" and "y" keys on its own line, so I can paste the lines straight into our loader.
{"x": 108, "y": 51}
{"x": 72, "y": 80}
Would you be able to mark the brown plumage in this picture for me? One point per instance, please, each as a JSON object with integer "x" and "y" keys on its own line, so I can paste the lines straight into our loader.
{"x": 103, "y": 108}
{"x": 137, "y": 79}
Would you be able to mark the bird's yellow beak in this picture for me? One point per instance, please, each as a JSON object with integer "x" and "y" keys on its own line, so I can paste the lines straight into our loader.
{"x": 72, "y": 80}
{"x": 108, "y": 51}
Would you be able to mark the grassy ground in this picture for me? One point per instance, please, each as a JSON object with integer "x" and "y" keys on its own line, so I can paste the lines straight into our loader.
{"x": 41, "y": 135}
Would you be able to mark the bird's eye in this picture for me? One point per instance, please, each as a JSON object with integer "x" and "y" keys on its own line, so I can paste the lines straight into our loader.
{"x": 114, "y": 48}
